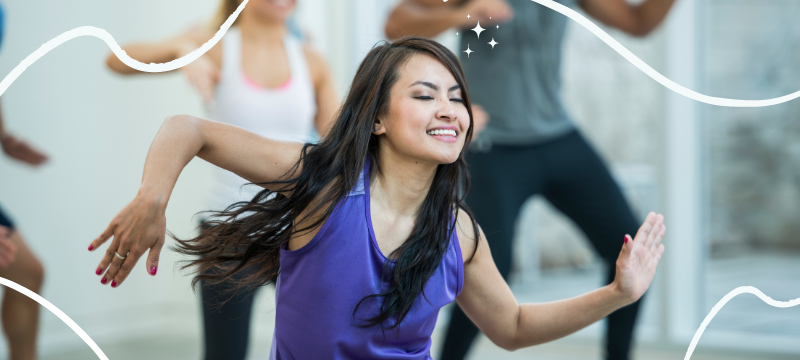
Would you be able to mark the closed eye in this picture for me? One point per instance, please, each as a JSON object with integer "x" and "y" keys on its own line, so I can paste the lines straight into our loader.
{"x": 423, "y": 97}
{"x": 457, "y": 100}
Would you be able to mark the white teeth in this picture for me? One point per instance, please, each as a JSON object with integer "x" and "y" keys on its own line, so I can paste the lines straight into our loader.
{"x": 442, "y": 132}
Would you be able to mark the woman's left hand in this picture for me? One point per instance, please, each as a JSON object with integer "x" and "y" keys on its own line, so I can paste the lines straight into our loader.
{"x": 479, "y": 119}
{"x": 22, "y": 151}
{"x": 637, "y": 262}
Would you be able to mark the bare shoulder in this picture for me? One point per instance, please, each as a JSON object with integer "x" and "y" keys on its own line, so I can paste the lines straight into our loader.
{"x": 316, "y": 63}
{"x": 466, "y": 235}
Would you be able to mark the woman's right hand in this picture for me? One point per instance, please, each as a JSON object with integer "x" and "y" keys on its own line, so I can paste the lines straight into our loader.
{"x": 7, "y": 248}
{"x": 203, "y": 74}
{"x": 139, "y": 227}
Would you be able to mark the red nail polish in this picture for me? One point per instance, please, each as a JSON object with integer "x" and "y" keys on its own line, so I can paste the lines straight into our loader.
{"x": 91, "y": 247}
{"x": 103, "y": 281}
{"x": 113, "y": 283}
{"x": 626, "y": 239}
{"x": 99, "y": 271}
{"x": 153, "y": 270}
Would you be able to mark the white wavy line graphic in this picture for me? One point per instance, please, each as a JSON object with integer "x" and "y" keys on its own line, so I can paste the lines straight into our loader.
{"x": 735, "y": 292}
{"x": 53, "y": 309}
{"x": 663, "y": 80}
{"x": 121, "y": 54}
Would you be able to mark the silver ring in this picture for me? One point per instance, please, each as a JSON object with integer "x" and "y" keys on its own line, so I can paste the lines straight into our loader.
{"x": 119, "y": 256}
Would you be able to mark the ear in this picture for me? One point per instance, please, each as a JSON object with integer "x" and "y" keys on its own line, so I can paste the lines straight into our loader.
{"x": 378, "y": 128}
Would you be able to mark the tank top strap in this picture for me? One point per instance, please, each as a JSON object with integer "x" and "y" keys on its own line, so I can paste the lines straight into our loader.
{"x": 298, "y": 63}
{"x": 232, "y": 53}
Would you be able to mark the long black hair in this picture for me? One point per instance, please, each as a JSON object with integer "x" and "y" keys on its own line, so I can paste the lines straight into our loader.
{"x": 246, "y": 237}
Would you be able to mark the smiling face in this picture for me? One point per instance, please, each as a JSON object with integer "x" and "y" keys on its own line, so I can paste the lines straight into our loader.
{"x": 274, "y": 10}
{"x": 426, "y": 119}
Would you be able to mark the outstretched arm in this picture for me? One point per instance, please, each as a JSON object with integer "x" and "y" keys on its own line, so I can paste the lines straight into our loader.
{"x": 636, "y": 20}
{"x": 160, "y": 51}
{"x": 429, "y": 18}
{"x": 141, "y": 225}
{"x": 489, "y": 303}
{"x": 19, "y": 149}
{"x": 202, "y": 73}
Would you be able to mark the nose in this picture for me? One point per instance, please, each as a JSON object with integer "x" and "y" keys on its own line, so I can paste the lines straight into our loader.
{"x": 446, "y": 111}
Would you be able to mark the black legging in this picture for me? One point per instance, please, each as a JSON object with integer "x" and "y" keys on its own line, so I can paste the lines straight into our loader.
{"x": 226, "y": 325}
{"x": 572, "y": 177}
{"x": 226, "y": 320}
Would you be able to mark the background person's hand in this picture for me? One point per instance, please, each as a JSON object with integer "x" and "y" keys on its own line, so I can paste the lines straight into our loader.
{"x": 479, "y": 120}
{"x": 203, "y": 75}
{"x": 488, "y": 12}
{"x": 637, "y": 262}
{"x": 7, "y": 248}
{"x": 21, "y": 150}
{"x": 139, "y": 227}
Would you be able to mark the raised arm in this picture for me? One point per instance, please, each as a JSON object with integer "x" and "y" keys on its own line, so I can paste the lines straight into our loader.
{"x": 18, "y": 149}
{"x": 489, "y": 303}
{"x": 160, "y": 51}
{"x": 202, "y": 73}
{"x": 636, "y": 20}
{"x": 141, "y": 225}
{"x": 429, "y": 18}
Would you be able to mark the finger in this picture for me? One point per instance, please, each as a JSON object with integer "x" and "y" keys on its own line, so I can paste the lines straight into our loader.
{"x": 645, "y": 228}
{"x": 653, "y": 231}
{"x": 627, "y": 246}
{"x": 207, "y": 88}
{"x": 126, "y": 267}
{"x": 660, "y": 236}
{"x": 106, "y": 261}
{"x": 152, "y": 257}
{"x": 100, "y": 240}
{"x": 117, "y": 261}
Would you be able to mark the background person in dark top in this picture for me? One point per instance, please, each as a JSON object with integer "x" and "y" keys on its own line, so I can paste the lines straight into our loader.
{"x": 531, "y": 146}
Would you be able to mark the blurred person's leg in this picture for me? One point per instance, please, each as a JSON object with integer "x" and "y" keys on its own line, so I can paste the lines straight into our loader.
{"x": 226, "y": 321}
{"x": 20, "y": 314}
{"x": 580, "y": 185}
{"x": 501, "y": 182}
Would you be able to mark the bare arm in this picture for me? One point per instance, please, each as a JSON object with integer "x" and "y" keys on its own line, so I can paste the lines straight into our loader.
{"x": 140, "y": 226}
{"x": 489, "y": 303}
{"x": 637, "y": 20}
{"x": 19, "y": 149}
{"x": 325, "y": 94}
{"x": 429, "y": 18}
{"x": 160, "y": 51}
{"x": 414, "y": 18}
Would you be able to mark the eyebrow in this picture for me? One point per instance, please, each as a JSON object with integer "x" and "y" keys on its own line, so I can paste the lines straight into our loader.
{"x": 434, "y": 87}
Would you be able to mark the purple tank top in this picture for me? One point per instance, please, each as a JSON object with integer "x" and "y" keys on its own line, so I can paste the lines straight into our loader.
{"x": 321, "y": 283}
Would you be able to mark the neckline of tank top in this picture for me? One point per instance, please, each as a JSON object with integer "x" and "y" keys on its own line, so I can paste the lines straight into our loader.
{"x": 253, "y": 85}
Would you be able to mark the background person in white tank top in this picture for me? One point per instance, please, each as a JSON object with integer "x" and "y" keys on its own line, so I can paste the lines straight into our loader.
{"x": 260, "y": 78}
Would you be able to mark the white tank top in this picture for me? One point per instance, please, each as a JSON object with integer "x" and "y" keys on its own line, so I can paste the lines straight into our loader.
{"x": 284, "y": 113}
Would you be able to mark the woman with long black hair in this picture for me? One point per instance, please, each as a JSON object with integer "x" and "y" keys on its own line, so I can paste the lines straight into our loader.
{"x": 365, "y": 233}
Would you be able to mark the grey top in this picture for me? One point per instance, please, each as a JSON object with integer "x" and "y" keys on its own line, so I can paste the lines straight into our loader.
{"x": 518, "y": 82}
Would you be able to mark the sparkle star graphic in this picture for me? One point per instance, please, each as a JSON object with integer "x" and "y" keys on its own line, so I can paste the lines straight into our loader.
{"x": 493, "y": 43}
{"x": 456, "y": 33}
{"x": 498, "y": 26}
{"x": 478, "y": 29}
{"x": 468, "y": 51}
{"x": 468, "y": 16}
